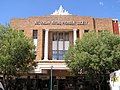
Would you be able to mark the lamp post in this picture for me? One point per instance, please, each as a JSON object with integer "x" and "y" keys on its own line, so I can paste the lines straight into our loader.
{"x": 51, "y": 78}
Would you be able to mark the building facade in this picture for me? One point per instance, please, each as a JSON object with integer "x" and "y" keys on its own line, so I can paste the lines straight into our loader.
{"x": 53, "y": 34}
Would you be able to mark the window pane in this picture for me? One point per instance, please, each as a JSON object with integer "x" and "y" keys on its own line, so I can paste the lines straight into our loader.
{"x": 55, "y": 57}
{"x": 60, "y": 57}
{"x": 60, "y": 37}
{"x": 54, "y": 51}
{"x": 54, "y": 36}
{"x": 66, "y": 36}
{"x": 66, "y": 45}
{"x": 35, "y": 34}
{"x": 61, "y": 52}
{"x": 60, "y": 45}
{"x": 35, "y": 42}
{"x": 54, "y": 45}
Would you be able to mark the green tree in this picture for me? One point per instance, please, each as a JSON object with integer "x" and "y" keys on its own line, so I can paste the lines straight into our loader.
{"x": 95, "y": 55}
{"x": 16, "y": 52}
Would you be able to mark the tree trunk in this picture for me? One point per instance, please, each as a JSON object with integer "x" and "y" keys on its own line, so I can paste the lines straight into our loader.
{"x": 4, "y": 82}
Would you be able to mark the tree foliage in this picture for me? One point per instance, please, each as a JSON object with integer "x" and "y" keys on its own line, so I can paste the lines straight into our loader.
{"x": 16, "y": 51}
{"x": 95, "y": 54}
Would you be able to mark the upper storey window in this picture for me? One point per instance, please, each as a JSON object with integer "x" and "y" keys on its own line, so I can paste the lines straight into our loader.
{"x": 60, "y": 45}
{"x": 54, "y": 36}
{"x": 60, "y": 36}
{"x": 35, "y": 34}
{"x": 66, "y": 36}
{"x": 35, "y": 37}
{"x": 86, "y": 31}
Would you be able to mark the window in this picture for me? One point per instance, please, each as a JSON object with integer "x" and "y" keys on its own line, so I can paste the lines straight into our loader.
{"x": 55, "y": 55}
{"x": 35, "y": 34}
{"x": 86, "y": 31}
{"x": 60, "y": 45}
{"x": 66, "y": 45}
{"x": 54, "y": 47}
{"x": 66, "y": 36}
{"x": 54, "y": 37}
{"x": 60, "y": 37}
{"x": 21, "y": 31}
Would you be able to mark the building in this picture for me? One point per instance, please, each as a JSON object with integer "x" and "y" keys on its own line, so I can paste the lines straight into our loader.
{"x": 53, "y": 35}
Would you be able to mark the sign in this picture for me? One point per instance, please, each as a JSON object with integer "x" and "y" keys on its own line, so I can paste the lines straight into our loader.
{"x": 61, "y": 23}
{"x": 115, "y": 80}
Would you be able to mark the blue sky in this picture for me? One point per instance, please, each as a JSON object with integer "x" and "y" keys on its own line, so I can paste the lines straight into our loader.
{"x": 25, "y": 8}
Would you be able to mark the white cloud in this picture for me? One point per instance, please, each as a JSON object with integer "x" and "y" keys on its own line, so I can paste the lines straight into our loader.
{"x": 101, "y": 3}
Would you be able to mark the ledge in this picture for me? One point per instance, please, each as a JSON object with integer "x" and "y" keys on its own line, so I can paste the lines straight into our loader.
{"x": 50, "y": 61}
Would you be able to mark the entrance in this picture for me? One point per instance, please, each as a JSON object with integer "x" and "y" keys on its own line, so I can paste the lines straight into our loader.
{"x": 58, "y": 83}
{"x": 61, "y": 84}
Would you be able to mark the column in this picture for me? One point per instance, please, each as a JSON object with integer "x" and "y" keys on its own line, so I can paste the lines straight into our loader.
{"x": 81, "y": 32}
{"x": 40, "y": 45}
{"x": 74, "y": 35}
{"x": 46, "y": 45}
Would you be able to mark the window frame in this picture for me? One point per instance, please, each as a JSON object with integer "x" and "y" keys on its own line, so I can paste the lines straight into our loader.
{"x": 56, "y": 35}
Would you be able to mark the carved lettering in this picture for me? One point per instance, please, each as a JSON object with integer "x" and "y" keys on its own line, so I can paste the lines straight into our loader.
{"x": 61, "y": 23}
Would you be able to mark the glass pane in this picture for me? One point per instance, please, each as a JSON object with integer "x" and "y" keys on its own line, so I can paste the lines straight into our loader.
{"x": 66, "y": 36}
{"x": 35, "y": 42}
{"x": 54, "y": 36}
{"x": 55, "y": 52}
{"x": 60, "y": 37}
{"x": 54, "y": 45}
{"x": 35, "y": 34}
{"x": 60, "y": 57}
{"x": 66, "y": 45}
{"x": 61, "y": 52}
{"x": 60, "y": 45}
{"x": 55, "y": 57}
